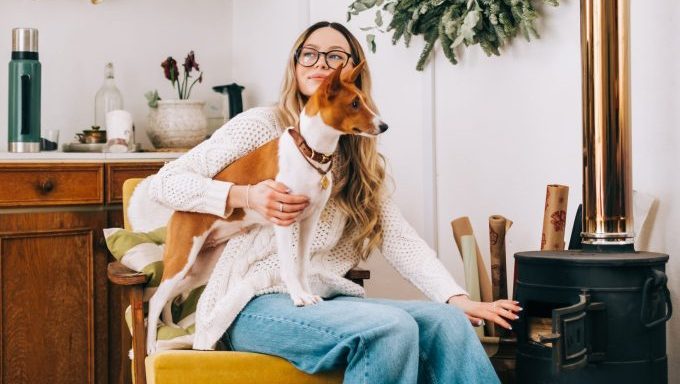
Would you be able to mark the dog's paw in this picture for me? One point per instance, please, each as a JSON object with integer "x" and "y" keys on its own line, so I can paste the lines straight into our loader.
{"x": 303, "y": 298}
{"x": 150, "y": 341}
{"x": 150, "y": 348}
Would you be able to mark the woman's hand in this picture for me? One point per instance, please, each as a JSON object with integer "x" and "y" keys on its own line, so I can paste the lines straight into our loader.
{"x": 497, "y": 312}
{"x": 273, "y": 200}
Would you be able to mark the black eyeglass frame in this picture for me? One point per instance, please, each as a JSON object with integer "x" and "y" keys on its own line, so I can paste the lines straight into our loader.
{"x": 325, "y": 56}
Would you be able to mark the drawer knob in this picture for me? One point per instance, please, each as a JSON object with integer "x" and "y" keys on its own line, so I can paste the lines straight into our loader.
{"x": 46, "y": 186}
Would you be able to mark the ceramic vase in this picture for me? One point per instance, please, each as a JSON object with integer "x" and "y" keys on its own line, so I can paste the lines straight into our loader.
{"x": 177, "y": 124}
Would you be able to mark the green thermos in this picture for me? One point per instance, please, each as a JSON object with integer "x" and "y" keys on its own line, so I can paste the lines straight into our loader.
{"x": 24, "y": 92}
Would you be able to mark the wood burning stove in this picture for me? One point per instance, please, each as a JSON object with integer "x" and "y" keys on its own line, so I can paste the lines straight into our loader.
{"x": 592, "y": 317}
{"x": 597, "y": 315}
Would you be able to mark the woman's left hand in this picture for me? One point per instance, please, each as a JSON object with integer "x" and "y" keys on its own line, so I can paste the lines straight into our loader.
{"x": 497, "y": 312}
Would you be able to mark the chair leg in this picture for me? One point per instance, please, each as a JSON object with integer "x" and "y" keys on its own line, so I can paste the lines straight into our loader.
{"x": 125, "y": 374}
{"x": 138, "y": 335}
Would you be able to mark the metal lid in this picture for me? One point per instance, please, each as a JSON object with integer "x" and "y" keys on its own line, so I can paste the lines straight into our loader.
{"x": 24, "y": 40}
{"x": 578, "y": 257}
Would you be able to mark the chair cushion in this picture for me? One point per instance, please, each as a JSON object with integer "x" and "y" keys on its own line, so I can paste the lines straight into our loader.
{"x": 208, "y": 367}
{"x": 143, "y": 252}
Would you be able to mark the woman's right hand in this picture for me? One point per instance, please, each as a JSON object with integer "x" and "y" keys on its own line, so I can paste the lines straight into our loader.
{"x": 273, "y": 200}
{"x": 498, "y": 312}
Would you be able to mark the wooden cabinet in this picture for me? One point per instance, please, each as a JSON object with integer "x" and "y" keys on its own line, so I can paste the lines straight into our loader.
{"x": 61, "y": 321}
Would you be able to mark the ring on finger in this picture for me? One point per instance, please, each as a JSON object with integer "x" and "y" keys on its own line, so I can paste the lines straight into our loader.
{"x": 281, "y": 207}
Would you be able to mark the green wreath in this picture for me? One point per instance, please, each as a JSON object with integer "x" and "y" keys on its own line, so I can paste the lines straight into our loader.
{"x": 489, "y": 23}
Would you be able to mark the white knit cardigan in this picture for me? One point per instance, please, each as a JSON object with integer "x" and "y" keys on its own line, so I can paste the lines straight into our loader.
{"x": 248, "y": 265}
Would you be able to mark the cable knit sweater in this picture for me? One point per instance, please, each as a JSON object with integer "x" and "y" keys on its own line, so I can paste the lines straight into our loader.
{"x": 248, "y": 265}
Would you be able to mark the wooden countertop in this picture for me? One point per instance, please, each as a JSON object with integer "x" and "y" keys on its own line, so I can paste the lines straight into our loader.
{"x": 85, "y": 157}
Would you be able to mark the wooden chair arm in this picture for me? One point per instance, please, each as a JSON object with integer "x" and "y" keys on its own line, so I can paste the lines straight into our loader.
{"x": 134, "y": 283}
{"x": 122, "y": 275}
{"x": 358, "y": 275}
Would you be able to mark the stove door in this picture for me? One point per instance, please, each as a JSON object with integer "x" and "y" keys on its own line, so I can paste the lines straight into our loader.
{"x": 571, "y": 331}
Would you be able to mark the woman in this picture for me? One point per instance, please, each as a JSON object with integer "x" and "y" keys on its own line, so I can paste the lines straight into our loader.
{"x": 376, "y": 341}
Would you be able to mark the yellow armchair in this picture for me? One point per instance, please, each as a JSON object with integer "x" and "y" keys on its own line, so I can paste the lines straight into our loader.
{"x": 204, "y": 367}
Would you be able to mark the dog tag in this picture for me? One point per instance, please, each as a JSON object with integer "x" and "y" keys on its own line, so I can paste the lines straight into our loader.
{"x": 324, "y": 182}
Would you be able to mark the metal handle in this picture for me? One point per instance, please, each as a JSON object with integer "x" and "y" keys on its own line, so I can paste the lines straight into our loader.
{"x": 25, "y": 104}
{"x": 46, "y": 186}
{"x": 659, "y": 281}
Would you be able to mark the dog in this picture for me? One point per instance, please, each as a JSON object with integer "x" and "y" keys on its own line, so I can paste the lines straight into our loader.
{"x": 300, "y": 160}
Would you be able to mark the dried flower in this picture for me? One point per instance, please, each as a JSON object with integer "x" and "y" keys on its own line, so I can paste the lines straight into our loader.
{"x": 171, "y": 73}
{"x": 190, "y": 63}
{"x": 170, "y": 69}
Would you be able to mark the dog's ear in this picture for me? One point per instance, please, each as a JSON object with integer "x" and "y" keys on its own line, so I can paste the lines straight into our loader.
{"x": 356, "y": 72}
{"x": 333, "y": 84}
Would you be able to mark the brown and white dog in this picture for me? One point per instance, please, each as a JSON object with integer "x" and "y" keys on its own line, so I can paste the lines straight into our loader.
{"x": 300, "y": 160}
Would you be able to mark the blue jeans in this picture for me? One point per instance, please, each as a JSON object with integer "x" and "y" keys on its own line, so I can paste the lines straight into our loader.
{"x": 375, "y": 340}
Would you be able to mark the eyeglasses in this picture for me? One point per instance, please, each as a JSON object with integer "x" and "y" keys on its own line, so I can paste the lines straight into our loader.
{"x": 308, "y": 56}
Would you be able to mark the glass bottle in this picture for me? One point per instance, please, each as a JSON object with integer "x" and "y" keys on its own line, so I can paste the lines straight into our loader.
{"x": 108, "y": 98}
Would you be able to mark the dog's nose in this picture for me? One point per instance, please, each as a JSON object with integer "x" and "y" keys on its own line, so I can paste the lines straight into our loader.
{"x": 383, "y": 127}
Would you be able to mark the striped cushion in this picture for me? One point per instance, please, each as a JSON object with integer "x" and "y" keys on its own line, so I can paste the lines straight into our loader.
{"x": 143, "y": 252}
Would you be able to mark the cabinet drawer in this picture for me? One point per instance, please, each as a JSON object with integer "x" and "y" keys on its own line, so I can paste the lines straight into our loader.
{"x": 117, "y": 173}
{"x": 51, "y": 184}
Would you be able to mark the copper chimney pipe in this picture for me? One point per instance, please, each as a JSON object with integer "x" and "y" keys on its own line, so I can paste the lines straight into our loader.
{"x": 607, "y": 163}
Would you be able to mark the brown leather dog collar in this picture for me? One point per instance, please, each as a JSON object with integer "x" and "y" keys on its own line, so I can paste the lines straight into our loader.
{"x": 307, "y": 150}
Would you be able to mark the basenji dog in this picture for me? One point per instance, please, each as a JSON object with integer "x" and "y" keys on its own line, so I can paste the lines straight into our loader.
{"x": 302, "y": 160}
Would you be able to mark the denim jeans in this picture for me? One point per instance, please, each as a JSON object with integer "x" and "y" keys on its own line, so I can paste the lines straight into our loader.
{"x": 374, "y": 340}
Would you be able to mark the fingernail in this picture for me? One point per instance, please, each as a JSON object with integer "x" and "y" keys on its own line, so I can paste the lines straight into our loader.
{"x": 480, "y": 323}
{"x": 510, "y": 328}
{"x": 516, "y": 317}
{"x": 521, "y": 309}
{"x": 515, "y": 301}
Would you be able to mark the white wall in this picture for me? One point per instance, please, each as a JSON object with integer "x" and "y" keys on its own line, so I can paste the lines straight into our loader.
{"x": 505, "y": 127}
{"x": 77, "y": 39}
{"x": 263, "y": 33}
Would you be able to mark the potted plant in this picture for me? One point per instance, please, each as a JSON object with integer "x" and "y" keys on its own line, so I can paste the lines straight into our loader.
{"x": 177, "y": 123}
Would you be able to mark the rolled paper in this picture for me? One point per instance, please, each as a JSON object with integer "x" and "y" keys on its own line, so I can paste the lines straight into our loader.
{"x": 461, "y": 227}
{"x": 469, "y": 245}
{"x": 554, "y": 218}
{"x": 498, "y": 226}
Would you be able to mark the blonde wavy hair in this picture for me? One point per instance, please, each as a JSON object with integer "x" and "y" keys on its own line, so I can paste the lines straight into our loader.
{"x": 359, "y": 170}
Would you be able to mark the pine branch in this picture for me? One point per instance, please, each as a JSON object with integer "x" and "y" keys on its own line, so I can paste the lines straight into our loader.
{"x": 489, "y": 23}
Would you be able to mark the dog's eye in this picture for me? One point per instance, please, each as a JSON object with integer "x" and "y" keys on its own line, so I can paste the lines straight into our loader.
{"x": 355, "y": 103}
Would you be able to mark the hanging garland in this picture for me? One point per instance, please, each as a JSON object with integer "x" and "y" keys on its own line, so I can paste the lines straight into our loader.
{"x": 489, "y": 23}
